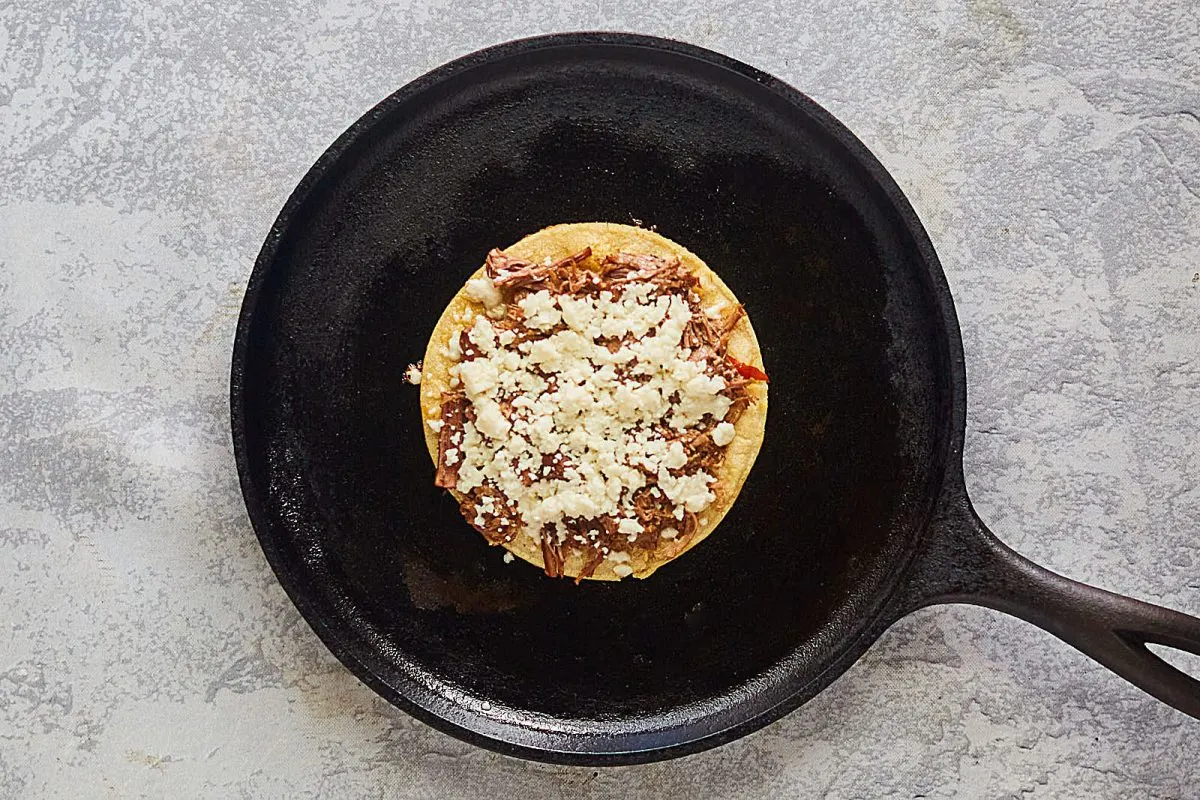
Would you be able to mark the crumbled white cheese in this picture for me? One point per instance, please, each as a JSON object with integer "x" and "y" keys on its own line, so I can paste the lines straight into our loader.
{"x": 541, "y": 311}
{"x": 675, "y": 457}
{"x": 623, "y": 570}
{"x": 483, "y": 335}
{"x": 689, "y": 491}
{"x": 629, "y": 527}
{"x": 482, "y": 290}
{"x": 508, "y": 557}
{"x": 668, "y": 533}
{"x": 435, "y": 425}
{"x": 722, "y": 434}
{"x": 479, "y": 376}
{"x": 490, "y": 420}
{"x": 601, "y": 423}
{"x": 412, "y": 374}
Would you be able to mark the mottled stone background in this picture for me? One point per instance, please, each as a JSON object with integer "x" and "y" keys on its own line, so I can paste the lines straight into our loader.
{"x": 147, "y": 650}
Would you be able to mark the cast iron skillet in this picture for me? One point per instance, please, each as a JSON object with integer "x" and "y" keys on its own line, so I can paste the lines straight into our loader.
{"x": 855, "y": 514}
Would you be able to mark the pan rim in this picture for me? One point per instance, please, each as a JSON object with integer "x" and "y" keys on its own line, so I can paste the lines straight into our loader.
{"x": 663, "y": 742}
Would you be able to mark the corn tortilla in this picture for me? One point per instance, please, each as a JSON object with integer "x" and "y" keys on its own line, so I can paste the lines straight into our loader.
{"x": 560, "y": 241}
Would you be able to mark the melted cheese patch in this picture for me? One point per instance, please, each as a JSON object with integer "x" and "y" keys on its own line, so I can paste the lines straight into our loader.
{"x": 570, "y": 405}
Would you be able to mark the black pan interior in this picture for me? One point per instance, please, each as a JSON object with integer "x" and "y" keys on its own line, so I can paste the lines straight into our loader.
{"x": 780, "y": 201}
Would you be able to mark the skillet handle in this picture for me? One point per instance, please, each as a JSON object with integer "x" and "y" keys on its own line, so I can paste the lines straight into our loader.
{"x": 963, "y": 562}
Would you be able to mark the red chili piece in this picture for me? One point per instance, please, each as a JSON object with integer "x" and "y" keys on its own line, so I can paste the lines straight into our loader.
{"x": 747, "y": 371}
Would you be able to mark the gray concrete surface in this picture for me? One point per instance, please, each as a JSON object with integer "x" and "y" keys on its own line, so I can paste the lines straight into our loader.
{"x": 145, "y": 647}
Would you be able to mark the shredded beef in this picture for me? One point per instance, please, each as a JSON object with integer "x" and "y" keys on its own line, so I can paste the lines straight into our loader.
{"x": 651, "y": 511}
{"x": 552, "y": 558}
{"x": 453, "y": 410}
{"x": 589, "y": 567}
{"x": 737, "y": 408}
{"x": 496, "y": 527}
{"x": 468, "y": 348}
{"x": 666, "y": 273}
{"x": 725, "y": 327}
{"x": 511, "y": 273}
{"x": 704, "y": 453}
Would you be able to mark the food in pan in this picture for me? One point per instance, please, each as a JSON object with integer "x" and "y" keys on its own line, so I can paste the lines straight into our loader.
{"x": 594, "y": 397}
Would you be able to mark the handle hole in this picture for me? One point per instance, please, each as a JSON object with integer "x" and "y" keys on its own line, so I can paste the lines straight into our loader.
{"x": 1179, "y": 659}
